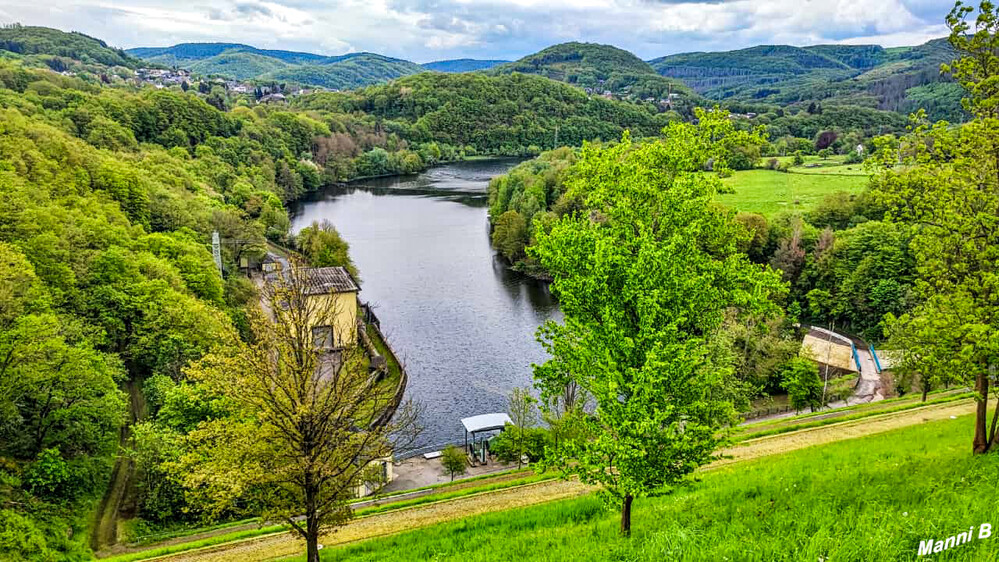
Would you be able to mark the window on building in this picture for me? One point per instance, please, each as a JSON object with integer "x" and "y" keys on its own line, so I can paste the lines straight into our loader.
{"x": 323, "y": 336}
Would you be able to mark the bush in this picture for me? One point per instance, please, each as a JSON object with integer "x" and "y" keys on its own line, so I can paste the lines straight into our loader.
{"x": 798, "y": 159}
{"x": 504, "y": 445}
{"x": 49, "y": 476}
{"x": 854, "y": 157}
{"x": 20, "y": 539}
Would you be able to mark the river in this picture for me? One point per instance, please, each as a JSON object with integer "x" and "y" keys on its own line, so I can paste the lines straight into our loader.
{"x": 459, "y": 319}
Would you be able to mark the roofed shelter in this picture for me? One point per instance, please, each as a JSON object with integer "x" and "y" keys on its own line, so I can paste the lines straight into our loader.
{"x": 481, "y": 424}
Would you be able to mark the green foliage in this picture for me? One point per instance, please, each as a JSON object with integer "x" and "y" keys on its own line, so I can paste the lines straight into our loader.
{"x": 510, "y": 235}
{"x": 454, "y": 460}
{"x": 804, "y": 505}
{"x": 20, "y": 539}
{"x": 800, "y": 378}
{"x": 513, "y": 443}
{"x": 946, "y": 190}
{"x": 30, "y": 40}
{"x": 644, "y": 279}
{"x": 322, "y": 246}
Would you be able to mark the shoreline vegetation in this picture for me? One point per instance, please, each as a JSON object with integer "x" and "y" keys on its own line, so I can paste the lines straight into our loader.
{"x": 141, "y": 369}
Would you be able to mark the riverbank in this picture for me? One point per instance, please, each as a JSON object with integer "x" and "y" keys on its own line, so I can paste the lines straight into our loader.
{"x": 458, "y": 318}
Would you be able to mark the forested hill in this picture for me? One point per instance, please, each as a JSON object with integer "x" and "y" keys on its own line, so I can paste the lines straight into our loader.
{"x": 462, "y": 65}
{"x": 243, "y": 62}
{"x": 603, "y": 69}
{"x": 29, "y": 40}
{"x": 171, "y": 56}
{"x": 898, "y": 79}
{"x": 496, "y": 114}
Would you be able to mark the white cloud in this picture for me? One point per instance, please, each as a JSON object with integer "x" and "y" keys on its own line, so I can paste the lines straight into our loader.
{"x": 424, "y": 30}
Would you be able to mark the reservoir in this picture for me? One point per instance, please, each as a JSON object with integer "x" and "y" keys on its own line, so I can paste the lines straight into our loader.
{"x": 462, "y": 323}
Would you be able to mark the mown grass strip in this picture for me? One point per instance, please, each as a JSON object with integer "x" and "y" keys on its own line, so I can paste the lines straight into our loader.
{"x": 852, "y": 417}
{"x": 361, "y": 513}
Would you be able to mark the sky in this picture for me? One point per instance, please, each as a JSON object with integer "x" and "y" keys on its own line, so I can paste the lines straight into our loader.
{"x": 427, "y": 30}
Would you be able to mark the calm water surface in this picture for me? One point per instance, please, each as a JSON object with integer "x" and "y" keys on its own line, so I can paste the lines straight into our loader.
{"x": 460, "y": 320}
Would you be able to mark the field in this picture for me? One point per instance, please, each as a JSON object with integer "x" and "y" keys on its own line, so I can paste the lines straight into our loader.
{"x": 873, "y": 498}
{"x": 768, "y": 191}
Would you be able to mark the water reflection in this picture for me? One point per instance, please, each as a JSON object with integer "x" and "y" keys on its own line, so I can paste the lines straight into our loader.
{"x": 460, "y": 319}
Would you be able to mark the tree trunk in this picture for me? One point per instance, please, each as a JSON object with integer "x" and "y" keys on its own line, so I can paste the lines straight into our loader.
{"x": 311, "y": 520}
{"x": 626, "y": 516}
{"x": 312, "y": 546}
{"x": 981, "y": 444}
{"x": 925, "y": 392}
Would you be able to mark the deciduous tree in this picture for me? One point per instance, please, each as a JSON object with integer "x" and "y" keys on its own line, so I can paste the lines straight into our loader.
{"x": 310, "y": 426}
{"x": 644, "y": 280}
{"x": 948, "y": 188}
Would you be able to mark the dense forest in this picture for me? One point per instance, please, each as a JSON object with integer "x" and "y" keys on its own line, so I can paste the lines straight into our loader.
{"x": 844, "y": 264}
{"x": 111, "y": 192}
{"x": 515, "y": 114}
{"x": 900, "y": 79}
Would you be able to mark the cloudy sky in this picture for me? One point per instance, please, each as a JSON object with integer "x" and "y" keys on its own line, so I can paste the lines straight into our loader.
{"x": 425, "y": 30}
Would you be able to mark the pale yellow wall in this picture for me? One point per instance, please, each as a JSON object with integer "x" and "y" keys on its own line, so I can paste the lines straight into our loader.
{"x": 345, "y": 322}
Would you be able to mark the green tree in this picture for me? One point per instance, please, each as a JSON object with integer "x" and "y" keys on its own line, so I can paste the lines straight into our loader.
{"x": 948, "y": 188}
{"x": 454, "y": 460}
{"x": 800, "y": 378}
{"x": 510, "y": 235}
{"x": 323, "y": 246}
{"x": 524, "y": 415}
{"x": 308, "y": 427}
{"x": 644, "y": 280}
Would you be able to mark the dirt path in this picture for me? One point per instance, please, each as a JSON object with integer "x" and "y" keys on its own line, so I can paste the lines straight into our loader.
{"x": 105, "y": 530}
{"x": 276, "y": 546}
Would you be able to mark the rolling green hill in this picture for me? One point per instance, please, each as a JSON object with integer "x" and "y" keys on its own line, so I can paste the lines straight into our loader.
{"x": 512, "y": 114}
{"x": 899, "y": 79}
{"x": 198, "y": 51}
{"x": 347, "y": 72}
{"x": 841, "y": 501}
{"x": 585, "y": 64}
{"x": 602, "y": 69}
{"x": 237, "y": 64}
{"x": 243, "y": 62}
{"x": 30, "y": 40}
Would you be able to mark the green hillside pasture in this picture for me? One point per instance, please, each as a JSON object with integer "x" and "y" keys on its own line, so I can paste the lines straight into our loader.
{"x": 873, "y": 498}
{"x": 768, "y": 192}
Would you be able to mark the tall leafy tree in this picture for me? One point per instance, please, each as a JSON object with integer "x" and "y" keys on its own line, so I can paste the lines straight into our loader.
{"x": 308, "y": 425}
{"x": 948, "y": 188}
{"x": 645, "y": 279}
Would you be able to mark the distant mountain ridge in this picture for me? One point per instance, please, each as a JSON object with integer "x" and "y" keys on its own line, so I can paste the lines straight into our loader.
{"x": 245, "y": 62}
{"x": 899, "y": 79}
{"x": 896, "y": 79}
{"x": 197, "y": 51}
{"x": 462, "y": 65}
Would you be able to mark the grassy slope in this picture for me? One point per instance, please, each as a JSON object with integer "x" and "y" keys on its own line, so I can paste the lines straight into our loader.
{"x": 873, "y": 498}
{"x": 768, "y": 192}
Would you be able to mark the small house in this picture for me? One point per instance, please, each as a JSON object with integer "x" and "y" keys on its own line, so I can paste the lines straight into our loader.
{"x": 334, "y": 290}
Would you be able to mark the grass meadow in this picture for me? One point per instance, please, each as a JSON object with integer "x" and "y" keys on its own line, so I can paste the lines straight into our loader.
{"x": 769, "y": 192}
{"x": 872, "y": 499}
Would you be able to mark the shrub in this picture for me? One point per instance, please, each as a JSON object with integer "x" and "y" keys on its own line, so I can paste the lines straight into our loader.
{"x": 504, "y": 445}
